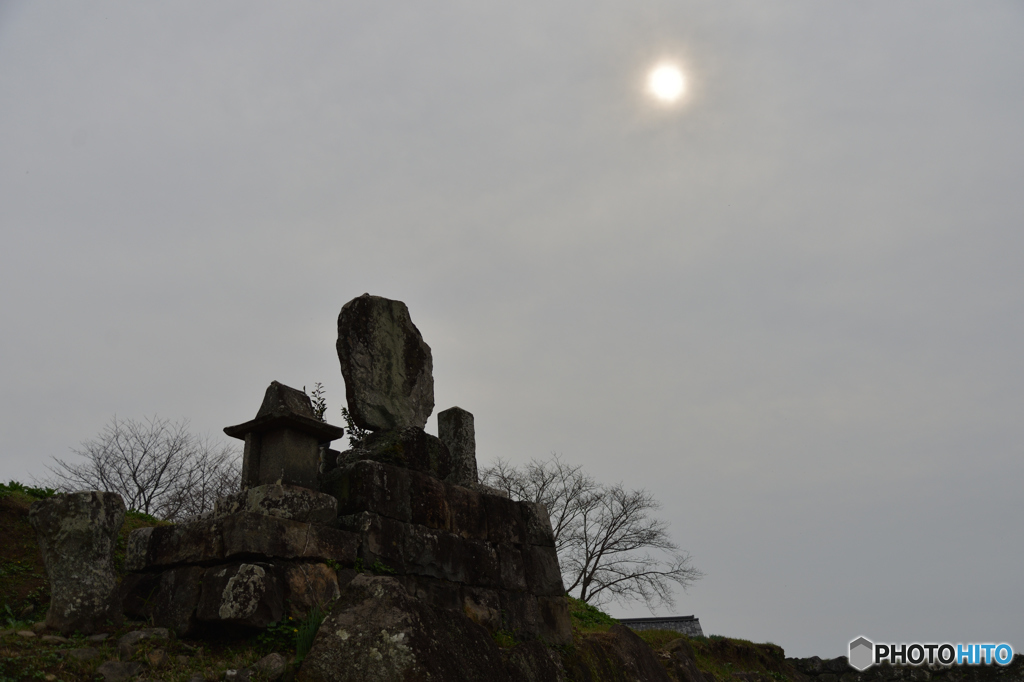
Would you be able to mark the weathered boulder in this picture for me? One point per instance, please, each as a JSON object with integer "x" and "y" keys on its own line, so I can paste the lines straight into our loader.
{"x": 455, "y": 429}
{"x": 77, "y": 533}
{"x": 283, "y": 501}
{"x": 386, "y": 365}
{"x": 377, "y": 632}
{"x": 243, "y": 594}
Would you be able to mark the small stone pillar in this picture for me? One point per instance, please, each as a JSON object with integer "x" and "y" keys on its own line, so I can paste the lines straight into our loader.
{"x": 282, "y": 444}
{"x": 455, "y": 429}
{"x": 77, "y": 534}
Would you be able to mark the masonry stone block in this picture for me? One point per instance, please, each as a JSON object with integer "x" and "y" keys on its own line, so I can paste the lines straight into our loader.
{"x": 543, "y": 575}
{"x": 257, "y": 534}
{"x": 369, "y": 486}
{"x": 308, "y": 585}
{"x": 167, "y": 599}
{"x": 382, "y": 539}
{"x": 537, "y": 523}
{"x": 428, "y": 501}
{"x": 504, "y": 520}
{"x": 409, "y": 448}
{"x": 436, "y": 553}
{"x": 191, "y": 542}
{"x": 520, "y": 614}
{"x": 208, "y": 541}
{"x": 439, "y": 593}
{"x": 284, "y": 501}
{"x": 483, "y": 607}
{"x": 556, "y": 624}
{"x": 469, "y": 519}
{"x": 484, "y": 567}
{"x": 512, "y": 568}
{"x": 250, "y": 594}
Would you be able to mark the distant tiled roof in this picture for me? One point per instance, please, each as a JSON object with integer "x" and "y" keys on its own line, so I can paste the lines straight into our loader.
{"x": 656, "y": 619}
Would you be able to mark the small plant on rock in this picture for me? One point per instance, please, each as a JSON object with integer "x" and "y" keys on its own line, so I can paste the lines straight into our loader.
{"x": 279, "y": 636}
{"x": 306, "y": 632}
{"x": 356, "y": 434}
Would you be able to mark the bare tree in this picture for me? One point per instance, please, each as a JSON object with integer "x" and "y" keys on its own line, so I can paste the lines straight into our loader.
{"x": 157, "y": 467}
{"x": 609, "y": 545}
{"x": 563, "y": 488}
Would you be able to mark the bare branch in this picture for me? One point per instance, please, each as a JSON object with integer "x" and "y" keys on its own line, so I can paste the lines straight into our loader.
{"x": 157, "y": 467}
{"x": 609, "y": 544}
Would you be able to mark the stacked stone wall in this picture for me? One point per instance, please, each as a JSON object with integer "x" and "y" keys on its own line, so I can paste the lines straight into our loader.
{"x": 488, "y": 556}
{"x": 247, "y": 568}
{"x": 250, "y": 564}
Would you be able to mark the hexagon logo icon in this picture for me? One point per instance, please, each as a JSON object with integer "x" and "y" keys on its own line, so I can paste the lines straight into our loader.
{"x": 861, "y": 653}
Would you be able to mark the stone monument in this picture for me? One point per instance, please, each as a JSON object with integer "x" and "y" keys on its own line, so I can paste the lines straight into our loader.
{"x": 282, "y": 444}
{"x": 455, "y": 429}
{"x": 387, "y": 366}
{"x": 403, "y": 504}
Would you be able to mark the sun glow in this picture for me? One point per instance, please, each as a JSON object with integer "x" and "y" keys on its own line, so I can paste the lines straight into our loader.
{"x": 666, "y": 83}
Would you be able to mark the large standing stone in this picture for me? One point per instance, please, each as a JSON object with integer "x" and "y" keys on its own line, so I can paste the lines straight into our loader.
{"x": 386, "y": 365}
{"x": 77, "y": 533}
{"x": 455, "y": 429}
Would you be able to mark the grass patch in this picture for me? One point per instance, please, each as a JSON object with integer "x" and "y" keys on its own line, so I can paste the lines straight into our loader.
{"x": 723, "y": 656}
{"x": 26, "y": 490}
{"x": 587, "y": 618}
{"x": 656, "y": 639}
{"x": 504, "y": 639}
{"x": 24, "y": 660}
{"x": 307, "y": 630}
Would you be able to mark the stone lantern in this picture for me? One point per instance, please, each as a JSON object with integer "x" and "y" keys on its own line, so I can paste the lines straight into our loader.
{"x": 282, "y": 444}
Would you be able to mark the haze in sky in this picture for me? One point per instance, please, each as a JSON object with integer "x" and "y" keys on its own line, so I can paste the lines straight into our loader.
{"x": 788, "y": 301}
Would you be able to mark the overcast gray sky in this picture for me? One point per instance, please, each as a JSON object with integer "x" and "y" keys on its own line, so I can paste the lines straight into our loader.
{"x": 789, "y": 305}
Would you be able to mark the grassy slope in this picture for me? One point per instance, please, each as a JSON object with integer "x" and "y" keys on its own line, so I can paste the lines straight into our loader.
{"x": 719, "y": 656}
{"x": 24, "y": 590}
{"x": 25, "y": 596}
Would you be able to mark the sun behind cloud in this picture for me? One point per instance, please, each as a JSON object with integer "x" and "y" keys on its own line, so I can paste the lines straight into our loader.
{"x": 666, "y": 83}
